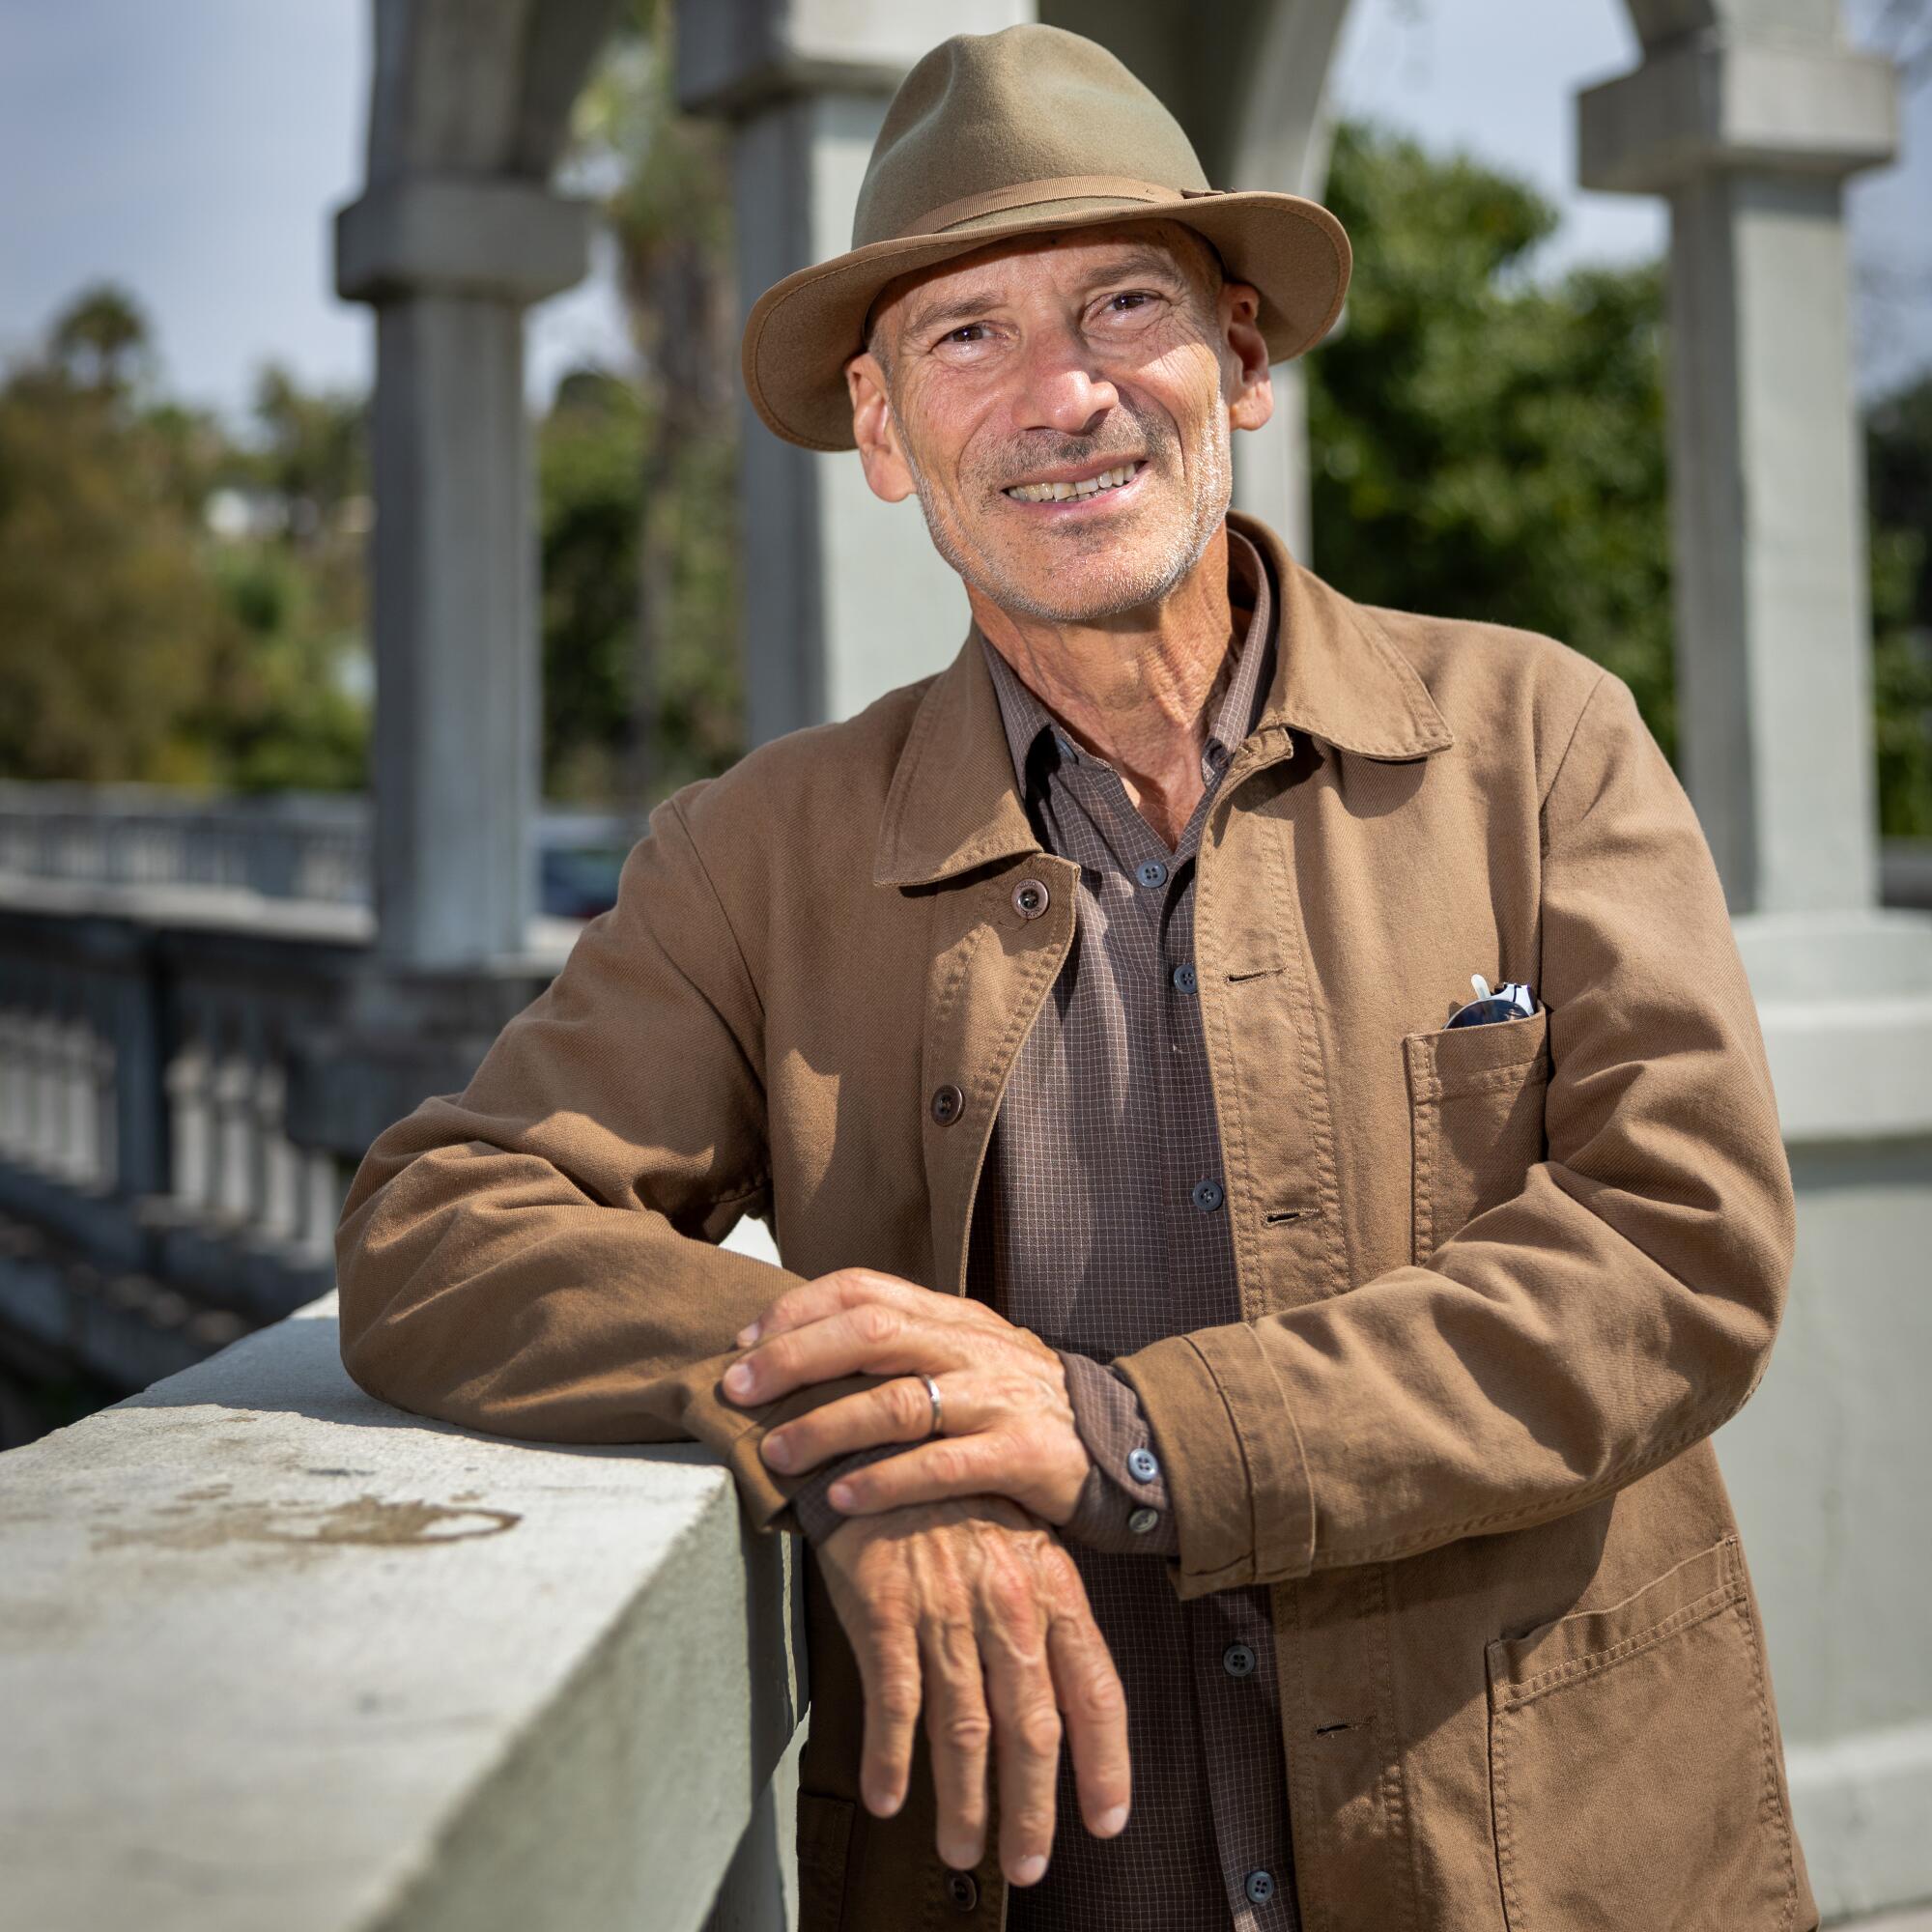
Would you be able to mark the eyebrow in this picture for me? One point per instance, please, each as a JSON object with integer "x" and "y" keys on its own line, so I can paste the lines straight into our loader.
{"x": 1149, "y": 262}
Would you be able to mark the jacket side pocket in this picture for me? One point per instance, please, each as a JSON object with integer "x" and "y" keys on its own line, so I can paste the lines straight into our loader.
{"x": 824, "y": 1845}
{"x": 1632, "y": 1764}
{"x": 1475, "y": 1109}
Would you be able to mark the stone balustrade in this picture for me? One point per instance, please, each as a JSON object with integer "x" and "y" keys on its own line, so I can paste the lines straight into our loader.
{"x": 286, "y": 845}
{"x": 159, "y": 1196}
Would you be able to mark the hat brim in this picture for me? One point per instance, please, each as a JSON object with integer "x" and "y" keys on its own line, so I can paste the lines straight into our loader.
{"x": 801, "y": 332}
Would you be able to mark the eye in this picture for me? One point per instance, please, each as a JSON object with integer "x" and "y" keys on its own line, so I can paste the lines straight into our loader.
{"x": 1128, "y": 301}
{"x": 965, "y": 332}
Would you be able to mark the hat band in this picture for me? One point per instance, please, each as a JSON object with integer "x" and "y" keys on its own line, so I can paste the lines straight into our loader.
{"x": 1060, "y": 188}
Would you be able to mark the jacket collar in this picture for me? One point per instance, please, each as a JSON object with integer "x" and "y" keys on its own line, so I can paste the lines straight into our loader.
{"x": 953, "y": 803}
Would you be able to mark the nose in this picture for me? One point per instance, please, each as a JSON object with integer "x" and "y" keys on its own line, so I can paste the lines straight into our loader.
{"x": 1061, "y": 388}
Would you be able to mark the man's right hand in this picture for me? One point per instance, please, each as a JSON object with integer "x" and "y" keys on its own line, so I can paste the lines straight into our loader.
{"x": 963, "y": 1604}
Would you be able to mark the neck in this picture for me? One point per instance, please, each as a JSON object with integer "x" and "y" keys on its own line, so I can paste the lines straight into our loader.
{"x": 1133, "y": 688}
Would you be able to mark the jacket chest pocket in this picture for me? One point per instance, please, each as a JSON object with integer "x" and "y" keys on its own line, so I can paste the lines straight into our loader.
{"x": 1633, "y": 1776}
{"x": 1475, "y": 1101}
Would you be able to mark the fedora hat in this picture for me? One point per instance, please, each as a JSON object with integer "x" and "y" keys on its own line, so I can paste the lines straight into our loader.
{"x": 995, "y": 135}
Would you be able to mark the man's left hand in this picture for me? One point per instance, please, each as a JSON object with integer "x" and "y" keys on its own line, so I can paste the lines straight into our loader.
{"x": 1009, "y": 1424}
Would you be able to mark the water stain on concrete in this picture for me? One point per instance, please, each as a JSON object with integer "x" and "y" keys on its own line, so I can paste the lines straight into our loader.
{"x": 300, "y": 1529}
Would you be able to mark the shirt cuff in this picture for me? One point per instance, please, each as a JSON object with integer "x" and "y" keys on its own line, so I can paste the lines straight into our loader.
{"x": 817, "y": 1515}
{"x": 1244, "y": 1504}
{"x": 1123, "y": 1506}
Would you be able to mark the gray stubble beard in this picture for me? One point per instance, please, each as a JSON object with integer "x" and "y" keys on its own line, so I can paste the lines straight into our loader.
{"x": 1214, "y": 490}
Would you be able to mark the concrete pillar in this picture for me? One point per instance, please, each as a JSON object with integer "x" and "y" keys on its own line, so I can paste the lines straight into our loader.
{"x": 1750, "y": 132}
{"x": 450, "y": 265}
{"x": 1283, "y": 135}
{"x": 1748, "y": 115}
{"x": 844, "y": 596}
{"x": 1252, "y": 96}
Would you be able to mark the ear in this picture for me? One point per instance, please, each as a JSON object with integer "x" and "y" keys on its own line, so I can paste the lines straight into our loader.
{"x": 874, "y": 431}
{"x": 1245, "y": 379}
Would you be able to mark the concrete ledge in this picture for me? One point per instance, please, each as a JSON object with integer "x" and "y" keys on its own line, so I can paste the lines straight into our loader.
{"x": 1862, "y": 1803}
{"x": 1707, "y": 103}
{"x": 273, "y": 1653}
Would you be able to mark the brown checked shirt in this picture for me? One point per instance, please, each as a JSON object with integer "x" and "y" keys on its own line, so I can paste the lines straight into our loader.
{"x": 1099, "y": 1226}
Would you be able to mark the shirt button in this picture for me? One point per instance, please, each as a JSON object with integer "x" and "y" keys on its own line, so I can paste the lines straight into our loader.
{"x": 1142, "y": 1466}
{"x": 1184, "y": 978}
{"x": 1259, "y": 1887}
{"x": 963, "y": 1889}
{"x": 1030, "y": 898}
{"x": 948, "y": 1104}
{"x": 1150, "y": 873}
{"x": 1238, "y": 1660}
{"x": 1205, "y": 1194}
{"x": 1143, "y": 1519}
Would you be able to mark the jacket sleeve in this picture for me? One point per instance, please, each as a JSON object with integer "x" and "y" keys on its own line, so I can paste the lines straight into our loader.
{"x": 537, "y": 1255}
{"x": 1570, "y": 1339}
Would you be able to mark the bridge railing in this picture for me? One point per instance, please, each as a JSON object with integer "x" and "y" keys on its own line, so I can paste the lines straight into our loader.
{"x": 187, "y": 1076}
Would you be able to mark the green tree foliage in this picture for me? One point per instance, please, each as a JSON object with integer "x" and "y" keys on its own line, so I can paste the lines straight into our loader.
{"x": 590, "y": 506}
{"x": 674, "y": 710}
{"x": 1485, "y": 445}
{"x": 109, "y": 619}
{"x": 137, "y": 642}
{"x": 286, "y": 705}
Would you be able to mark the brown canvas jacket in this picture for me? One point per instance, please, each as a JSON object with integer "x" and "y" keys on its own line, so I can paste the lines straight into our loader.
{"x": 1499, "y": 1283}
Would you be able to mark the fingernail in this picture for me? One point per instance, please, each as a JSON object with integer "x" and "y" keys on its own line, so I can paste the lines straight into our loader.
{"x": 748, "y": 1334}
{"x": 1029, "y": 1870}
{"x": 1113, "y": 1821}
{"x": 778, "y": 1452}
{"x": 738, "y": 1378}
{"x": 840, "y": 1494}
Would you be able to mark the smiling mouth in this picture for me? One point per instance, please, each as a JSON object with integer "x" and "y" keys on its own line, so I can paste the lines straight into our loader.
{"x": 1063, "y": 492}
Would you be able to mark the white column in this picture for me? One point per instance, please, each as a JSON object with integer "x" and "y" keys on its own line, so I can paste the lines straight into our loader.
{"x": 451, "y": 264}
{"x": 1752, "y": 141}
{"x": 844, "y": 596}
{"x": 1748, "y": 115}
{"x": 1282, "y": 138}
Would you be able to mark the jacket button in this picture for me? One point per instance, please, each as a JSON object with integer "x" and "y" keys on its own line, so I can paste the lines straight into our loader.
{"x": 963, "y": 1889}
{"x": 948, "y": 1104}
{"x": 1030, "y": 898}
{"x": 1238, "y": 1660}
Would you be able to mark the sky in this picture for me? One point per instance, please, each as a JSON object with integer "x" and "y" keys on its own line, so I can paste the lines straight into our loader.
{"x": 194, "y": 152}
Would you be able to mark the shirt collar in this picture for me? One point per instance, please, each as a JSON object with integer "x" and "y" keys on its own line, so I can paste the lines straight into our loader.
{"x": 1235, "y": 699}
{"x": 1337, "y": 677}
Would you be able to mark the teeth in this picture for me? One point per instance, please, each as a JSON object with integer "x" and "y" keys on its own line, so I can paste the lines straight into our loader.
{"x": 1060, "y": 493}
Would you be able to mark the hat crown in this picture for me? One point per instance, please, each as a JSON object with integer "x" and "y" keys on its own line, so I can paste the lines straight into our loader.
{"x": 986, "y": 112}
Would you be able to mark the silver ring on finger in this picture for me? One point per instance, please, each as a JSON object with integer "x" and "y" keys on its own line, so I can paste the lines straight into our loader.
{"x": 938, "y": 1408}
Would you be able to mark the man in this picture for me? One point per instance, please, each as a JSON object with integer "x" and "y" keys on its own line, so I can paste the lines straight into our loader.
{"x": 1191, "y": 1349}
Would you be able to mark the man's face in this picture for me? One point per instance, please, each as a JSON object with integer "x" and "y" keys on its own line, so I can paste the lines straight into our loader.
{"x": 1063, "y": 406}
